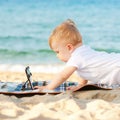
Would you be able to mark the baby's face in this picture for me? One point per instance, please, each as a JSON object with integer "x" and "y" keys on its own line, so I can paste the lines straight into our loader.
{"x": 61, "y": 51}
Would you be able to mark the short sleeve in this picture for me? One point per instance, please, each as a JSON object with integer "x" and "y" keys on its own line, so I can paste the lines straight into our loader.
{"x": 75, "y": 61}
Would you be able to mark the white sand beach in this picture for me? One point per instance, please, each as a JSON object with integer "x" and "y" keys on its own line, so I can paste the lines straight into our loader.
{"x": 25, "y": 27}
{"x": 82, "y": 105}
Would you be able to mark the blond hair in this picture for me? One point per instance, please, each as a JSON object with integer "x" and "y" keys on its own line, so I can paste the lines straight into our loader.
{"x": 66, "y": 33}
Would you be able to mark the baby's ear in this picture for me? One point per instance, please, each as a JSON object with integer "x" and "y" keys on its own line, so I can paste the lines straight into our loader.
{"x": 69, "y": 47}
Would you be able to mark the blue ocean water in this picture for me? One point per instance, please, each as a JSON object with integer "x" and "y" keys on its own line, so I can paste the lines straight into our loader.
{"x": 25, "y": 26}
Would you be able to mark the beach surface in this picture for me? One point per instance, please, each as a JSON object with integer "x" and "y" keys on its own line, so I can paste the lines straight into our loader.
{"x": 82, "y": 105}
{"x": 24, "y": 31}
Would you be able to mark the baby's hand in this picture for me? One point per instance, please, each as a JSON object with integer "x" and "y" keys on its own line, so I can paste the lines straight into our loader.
{"x": 39, "y": 87}
{"x": 74, "y": 88}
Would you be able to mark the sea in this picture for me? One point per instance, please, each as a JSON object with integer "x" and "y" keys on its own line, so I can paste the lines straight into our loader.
{"x": 25, "y": 26}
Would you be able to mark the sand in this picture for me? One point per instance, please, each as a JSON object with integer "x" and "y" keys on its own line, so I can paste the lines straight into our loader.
{"x": 84, "y": 105}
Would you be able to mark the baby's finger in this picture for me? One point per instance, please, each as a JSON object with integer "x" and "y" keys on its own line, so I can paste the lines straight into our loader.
{"x": 68, "y": 88}
{"x": 36, "y": 87}
{"x": 72, "y": 88}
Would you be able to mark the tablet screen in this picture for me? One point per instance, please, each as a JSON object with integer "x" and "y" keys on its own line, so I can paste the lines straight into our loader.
{"x": 29, "y": 76}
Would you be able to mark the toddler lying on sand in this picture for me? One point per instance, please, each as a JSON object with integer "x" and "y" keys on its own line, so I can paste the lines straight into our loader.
{"x": 91, "y": 65}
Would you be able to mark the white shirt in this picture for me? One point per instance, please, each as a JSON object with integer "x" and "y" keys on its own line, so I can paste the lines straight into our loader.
{"x": 97, "y": 67}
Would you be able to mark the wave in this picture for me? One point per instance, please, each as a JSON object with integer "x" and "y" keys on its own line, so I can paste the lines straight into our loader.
{"x": 8, "y": 51}
{"x": 15, "y": 37}
{"x": 32, "y": 56}
{"x": 108, "y": 50}
{"x": 27, "y": 56}
{"x": 47, "y": 68}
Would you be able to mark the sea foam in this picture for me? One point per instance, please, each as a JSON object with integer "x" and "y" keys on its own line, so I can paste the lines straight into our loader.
{"x": 51, "y": 68}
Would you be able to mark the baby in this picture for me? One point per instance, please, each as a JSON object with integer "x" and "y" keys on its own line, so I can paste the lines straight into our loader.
{"x": 94, "y": 66}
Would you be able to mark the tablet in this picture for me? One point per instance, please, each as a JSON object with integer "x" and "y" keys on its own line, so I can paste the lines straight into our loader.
{"x": 28, "y": 84}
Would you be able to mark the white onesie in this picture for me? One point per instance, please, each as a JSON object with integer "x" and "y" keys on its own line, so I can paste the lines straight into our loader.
{"x": 95, "y": 66}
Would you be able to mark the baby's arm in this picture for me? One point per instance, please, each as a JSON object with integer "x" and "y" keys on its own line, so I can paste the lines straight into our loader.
{"x": 75, "y": 88}
{"x": 59, "y": 78}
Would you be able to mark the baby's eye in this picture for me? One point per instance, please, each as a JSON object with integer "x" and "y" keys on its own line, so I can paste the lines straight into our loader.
{"x": 57, "y": 52}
